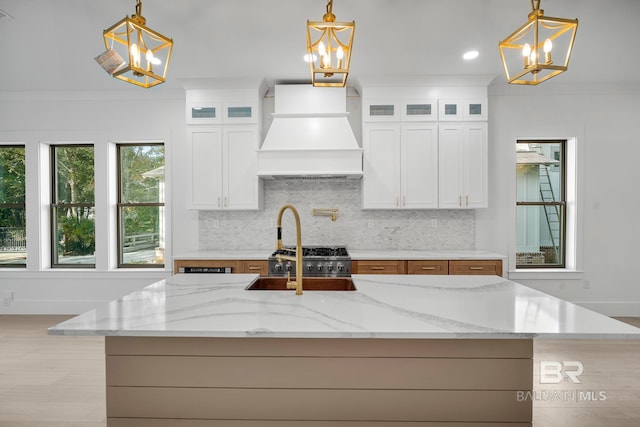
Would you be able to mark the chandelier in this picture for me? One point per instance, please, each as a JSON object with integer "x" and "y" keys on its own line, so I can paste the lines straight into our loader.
{"x": 539, "y": 49}
{"x": 329, "y": 49}
{"x": 135, "y": 53}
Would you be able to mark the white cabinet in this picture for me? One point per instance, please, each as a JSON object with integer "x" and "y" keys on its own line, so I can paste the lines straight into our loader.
{"x": 223, "y": 120}
{"x": 400, "y": 166}
{"x": 405, "y": 110}
{"x": 223, "y": 168}
{"x": 462, "y": 153}
{"x": 467, "y": 110}
{"x": 201, "y": 112}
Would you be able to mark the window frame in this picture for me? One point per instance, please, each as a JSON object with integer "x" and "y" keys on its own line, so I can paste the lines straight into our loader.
{"x": 120, "y": 205}
{"x": 22, "y": 205}
{"x": 54, "y": 204}
{"x": 561, "y": 204}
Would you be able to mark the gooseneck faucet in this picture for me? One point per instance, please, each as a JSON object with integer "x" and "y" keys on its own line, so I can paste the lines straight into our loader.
{"x": 297, "y": 284}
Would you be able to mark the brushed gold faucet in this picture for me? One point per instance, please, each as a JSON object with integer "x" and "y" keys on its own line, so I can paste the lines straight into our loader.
{"x": 296, "y": 284}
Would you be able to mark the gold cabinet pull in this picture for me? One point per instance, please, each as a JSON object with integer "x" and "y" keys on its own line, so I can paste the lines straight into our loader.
{"x": 476, "y": 268}
{"x": 460, "y": 201}
{"x": 255, "y": 267}
{"x": 428, "y": 268}
{"x": 375, "y": 267}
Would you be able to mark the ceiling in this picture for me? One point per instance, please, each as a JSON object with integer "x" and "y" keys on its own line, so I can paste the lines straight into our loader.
{"x": 50, "y": 45}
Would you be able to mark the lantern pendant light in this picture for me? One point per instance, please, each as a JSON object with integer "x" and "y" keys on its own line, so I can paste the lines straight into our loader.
{"x": 136, "y": 53}
{"x": 329, "y": 49}
{"x": 539, "y": 49}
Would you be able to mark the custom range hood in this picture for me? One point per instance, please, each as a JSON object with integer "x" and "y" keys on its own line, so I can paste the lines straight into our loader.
{"x": 310, "y": 136}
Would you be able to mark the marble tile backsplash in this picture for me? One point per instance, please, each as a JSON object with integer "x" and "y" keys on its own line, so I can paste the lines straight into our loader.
{"x": 355, "y": 228}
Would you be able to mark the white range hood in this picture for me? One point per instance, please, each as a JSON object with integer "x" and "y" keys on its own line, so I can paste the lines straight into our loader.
{"x": 310, "y": 136}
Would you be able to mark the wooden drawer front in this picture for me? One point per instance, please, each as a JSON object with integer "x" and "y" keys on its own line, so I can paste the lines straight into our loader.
{"x": 379, "y": 267}
{"x": 181, "y": 263}
{"x": 428, "y": 267}
{"x": 260, "y": 267}
{"x": 476, "y": 267}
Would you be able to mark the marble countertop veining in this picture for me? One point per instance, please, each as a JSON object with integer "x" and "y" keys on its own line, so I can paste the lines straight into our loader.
{"x": 358, "y": 254}
{"x": 384, "y": 306}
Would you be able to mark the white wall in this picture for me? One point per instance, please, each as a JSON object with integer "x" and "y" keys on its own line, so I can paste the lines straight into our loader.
{"x": 36, "y": 119}
{"x": 604, "y": 121}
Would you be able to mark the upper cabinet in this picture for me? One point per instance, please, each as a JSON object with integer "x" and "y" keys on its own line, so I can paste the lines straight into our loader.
{"x": 462, "y": 160}
{"x": 223, "y": 136}
{"x": 465, "y": 110}
{"x": 425, "y": 147}
{"x": 217, "y": 112}
{"x": 400, "y": 166}
{"x": 223, "y": 168}
{"x": 404, "y": 110}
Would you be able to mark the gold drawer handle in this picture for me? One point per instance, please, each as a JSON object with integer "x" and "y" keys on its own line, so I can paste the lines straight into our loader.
{"x": 377, "y": 268}
{"x": 255, "y": 267}
{"x": 476, "y": 268}
{"x": 428, "y": 268}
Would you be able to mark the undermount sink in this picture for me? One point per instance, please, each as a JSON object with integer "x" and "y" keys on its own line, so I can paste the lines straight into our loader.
{"x": 308, "y": 284}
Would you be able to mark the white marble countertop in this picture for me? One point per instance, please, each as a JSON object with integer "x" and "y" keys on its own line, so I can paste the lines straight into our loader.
{"x": 358, "y": 254}
{"x": 384, "y": 306}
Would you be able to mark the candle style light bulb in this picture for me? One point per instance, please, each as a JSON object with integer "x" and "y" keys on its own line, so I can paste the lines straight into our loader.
{"x": 152, "y": 59}
{"x": 322, "y": 51}
{"x": 135, "y": 53}
{"x": 526, "y": 53}
{"x": 340, "y": 55}
{"x": 547, "y": 51}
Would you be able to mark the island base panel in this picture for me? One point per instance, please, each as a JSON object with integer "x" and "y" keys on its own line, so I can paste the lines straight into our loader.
{"x": 317, "y": 382}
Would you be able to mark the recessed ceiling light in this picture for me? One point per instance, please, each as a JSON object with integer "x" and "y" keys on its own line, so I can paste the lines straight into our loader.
{"x": 472, "y": 54}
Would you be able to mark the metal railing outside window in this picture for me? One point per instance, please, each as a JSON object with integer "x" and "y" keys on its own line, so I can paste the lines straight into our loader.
{"x": 140, "y": 206}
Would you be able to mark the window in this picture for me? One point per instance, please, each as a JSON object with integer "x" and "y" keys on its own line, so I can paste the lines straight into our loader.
{"x": 141, "y": 228}
{"x": 541, "y": 204}
{"x": 73, "y": 206}
{"x": 13, "y": 240}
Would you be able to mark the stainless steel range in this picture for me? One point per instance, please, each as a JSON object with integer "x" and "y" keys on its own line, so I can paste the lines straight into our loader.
{"x": 317, "y": 262}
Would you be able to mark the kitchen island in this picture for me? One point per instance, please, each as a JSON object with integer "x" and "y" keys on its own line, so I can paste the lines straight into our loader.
{"x": 416, "y": 350}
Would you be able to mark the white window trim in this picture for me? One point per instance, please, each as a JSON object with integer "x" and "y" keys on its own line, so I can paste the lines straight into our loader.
{"x": 38, "y": 199}
{"x": 574, "y": 220}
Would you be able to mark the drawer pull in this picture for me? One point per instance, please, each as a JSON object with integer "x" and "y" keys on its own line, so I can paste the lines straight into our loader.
{"x": 255, "y": 267}
{"x": 428, "y": 268}
{"x": 476, "y": 268}
{"x": 377, "y": 268}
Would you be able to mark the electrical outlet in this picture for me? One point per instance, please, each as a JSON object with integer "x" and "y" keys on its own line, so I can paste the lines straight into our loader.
{"x": 434, "y": 223}
{"x": 216, "y": 223}
{"x": 8, "y": 298}
{"x": 370, "y": 223}
{"x": 586, "y": 284}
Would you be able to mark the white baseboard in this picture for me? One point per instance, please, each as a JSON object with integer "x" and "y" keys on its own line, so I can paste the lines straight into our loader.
{"x": 70, "y": 307}
{"x": 613, "y": 309}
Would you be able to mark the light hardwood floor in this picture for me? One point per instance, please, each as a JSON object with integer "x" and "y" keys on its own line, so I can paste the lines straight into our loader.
{"x": 56, "y": 381}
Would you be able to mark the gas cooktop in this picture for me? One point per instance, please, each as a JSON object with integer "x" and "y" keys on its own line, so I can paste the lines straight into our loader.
{"x": 315, "y": 251}
{"x": 318, "y": 261}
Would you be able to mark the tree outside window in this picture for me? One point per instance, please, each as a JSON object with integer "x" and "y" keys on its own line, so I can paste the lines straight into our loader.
{"x": 13, "y": 238}
{"x": 141, "y": 223}
{"x": 73, "y": 206}
{"x": 541, "y": 204}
